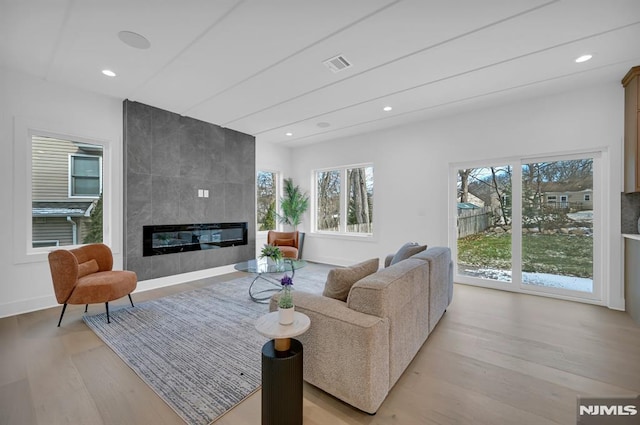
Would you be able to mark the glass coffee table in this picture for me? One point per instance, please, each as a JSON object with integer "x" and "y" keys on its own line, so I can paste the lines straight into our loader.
{"x": 268, "y": 275}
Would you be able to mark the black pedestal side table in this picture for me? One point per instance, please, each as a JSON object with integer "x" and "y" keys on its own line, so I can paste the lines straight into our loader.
{"x": 282, "y": 369}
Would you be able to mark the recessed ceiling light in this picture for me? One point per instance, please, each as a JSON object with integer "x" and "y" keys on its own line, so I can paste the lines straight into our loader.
{"x": 133, "y": 39}
{"x": 387, "y": 108}
{"x": 108, "y": 73}
{"x": 288, "y": 134}
{"x": 583, "y": 58}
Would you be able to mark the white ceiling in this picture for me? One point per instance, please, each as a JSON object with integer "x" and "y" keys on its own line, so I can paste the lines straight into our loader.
{"x": 256, "y": 65}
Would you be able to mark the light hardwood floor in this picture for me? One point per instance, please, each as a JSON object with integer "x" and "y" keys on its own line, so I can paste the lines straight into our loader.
{"x": 494, "y": 358}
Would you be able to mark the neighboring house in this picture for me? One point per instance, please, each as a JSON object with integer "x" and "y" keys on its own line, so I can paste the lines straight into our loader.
{"x": 66, "y": 183}
{"x": 574, "y": 196}
{"x": 575, "y": 200}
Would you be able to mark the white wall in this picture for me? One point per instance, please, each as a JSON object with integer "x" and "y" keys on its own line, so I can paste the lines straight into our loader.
{"x": 412, "y": 163}
{"x": 25, "y": 282}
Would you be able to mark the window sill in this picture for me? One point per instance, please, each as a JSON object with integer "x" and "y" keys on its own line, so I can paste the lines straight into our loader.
{"x": 344, "y": 236}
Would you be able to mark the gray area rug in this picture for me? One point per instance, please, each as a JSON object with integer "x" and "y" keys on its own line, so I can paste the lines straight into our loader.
{"x": 198, "y": 350}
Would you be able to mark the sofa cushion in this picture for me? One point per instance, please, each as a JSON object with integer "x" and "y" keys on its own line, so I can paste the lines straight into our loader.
{"x": 340, "y": 280}
{"x": 406, "y": 251}
{"x": 284, "y": 242}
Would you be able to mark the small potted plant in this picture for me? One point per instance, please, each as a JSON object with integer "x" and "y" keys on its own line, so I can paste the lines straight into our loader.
{"x": 273, "y": 252}
{"x": 285, "y": 302}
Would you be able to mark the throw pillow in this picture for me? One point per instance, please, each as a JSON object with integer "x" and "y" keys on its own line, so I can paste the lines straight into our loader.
{"x": 284, "y": 242}
{"x": 406, "y": 251}
{"x": 87, "y": 267}
{"x": 340, "y": 280}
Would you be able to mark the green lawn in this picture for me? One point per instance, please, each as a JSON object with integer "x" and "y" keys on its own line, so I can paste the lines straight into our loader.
{"x": 567, "y": 255}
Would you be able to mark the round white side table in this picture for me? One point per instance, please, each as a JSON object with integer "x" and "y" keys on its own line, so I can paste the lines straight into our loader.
{"x": 269, "y": 326}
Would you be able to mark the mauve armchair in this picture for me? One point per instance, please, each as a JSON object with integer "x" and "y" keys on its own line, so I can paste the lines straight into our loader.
{"x": 84, "y": 276}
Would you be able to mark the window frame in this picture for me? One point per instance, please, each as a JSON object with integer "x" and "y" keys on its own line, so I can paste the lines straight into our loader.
{"x": 601, "y": 263}
{"x": 342, "y": 233}
{"x": 24, "y": 131}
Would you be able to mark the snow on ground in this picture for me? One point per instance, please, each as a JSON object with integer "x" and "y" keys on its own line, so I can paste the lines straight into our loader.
{"x": 586, "y": 216}
{"x": 540, "y": 279}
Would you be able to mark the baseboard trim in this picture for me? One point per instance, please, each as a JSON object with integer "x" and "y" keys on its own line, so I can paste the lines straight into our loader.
{"x": 42, "y": 303}
{"x": 161, "y": 282}
{"x": 27, "y": 306}
{"x": 331, "y": 261}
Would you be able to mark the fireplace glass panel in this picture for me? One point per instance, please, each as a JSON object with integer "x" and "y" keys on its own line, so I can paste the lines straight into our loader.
{"x": 168, "y": 239}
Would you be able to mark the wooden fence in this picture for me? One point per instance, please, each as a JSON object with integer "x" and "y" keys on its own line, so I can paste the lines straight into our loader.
{"x": 473, "y": 221}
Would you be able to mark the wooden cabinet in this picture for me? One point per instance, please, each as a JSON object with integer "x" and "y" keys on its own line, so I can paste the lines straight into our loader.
{"x": 632, "y": 276}
{"x": 631, "y": 84}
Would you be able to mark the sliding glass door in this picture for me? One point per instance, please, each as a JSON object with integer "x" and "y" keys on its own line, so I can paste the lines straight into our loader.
{"x": 484, "y": 222}
{"x": 557, "y": 224}
{"x": 530, "y": 225}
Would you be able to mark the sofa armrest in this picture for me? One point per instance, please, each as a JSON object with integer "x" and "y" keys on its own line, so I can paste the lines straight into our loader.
{"x": 346, "y": 353}
{"x": 440, "y": 281}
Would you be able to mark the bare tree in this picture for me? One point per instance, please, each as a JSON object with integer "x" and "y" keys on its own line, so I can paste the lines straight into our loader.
{"x": 328, "y": 213}
{"x": 464, "y": 184}
{"x": 359, "y": 209}
{"x": 502, "y": 190}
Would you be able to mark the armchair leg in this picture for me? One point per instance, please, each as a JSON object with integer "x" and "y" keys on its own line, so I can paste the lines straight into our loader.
{"x": 86, "y": 307}
{"x": 130, "y": 300}
{"x": 64, "y": 307}
{"x": 107, "y": 307}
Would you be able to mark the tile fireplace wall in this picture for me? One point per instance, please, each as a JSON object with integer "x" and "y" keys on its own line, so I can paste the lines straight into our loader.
{"x": 167, "y": 159}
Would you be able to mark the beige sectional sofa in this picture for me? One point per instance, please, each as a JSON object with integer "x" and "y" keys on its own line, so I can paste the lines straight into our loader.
{"x": 358, "y": 349}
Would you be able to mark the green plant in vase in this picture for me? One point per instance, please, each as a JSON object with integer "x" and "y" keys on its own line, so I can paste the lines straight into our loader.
{"x": 286, "y": 299}
{"x": 271, "y": 251}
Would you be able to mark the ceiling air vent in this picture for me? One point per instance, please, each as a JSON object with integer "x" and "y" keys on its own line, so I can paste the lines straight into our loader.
{"x": 337, "y": 63}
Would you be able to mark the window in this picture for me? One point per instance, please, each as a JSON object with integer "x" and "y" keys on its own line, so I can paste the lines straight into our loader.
{"x": 344, "y": 208}
{"x": 328, "y": 201}
{"x": 266, "y": 200}
{"x": 541, "y": 241}
{"x": 66, "y": 192}
{"x": 84, "y": 175}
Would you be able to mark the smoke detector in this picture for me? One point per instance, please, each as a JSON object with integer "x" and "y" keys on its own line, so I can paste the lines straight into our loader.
{"x": 337, "y": 63}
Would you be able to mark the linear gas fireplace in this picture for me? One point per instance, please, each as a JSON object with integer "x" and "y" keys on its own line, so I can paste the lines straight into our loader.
{"x": 169, "y": 239}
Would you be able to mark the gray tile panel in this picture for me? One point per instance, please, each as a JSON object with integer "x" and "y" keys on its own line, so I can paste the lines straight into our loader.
{"x": 169, "y": 157}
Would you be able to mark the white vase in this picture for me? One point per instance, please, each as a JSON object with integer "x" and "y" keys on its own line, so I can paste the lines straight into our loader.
{"x": 285, "y": 315}
{"x": 274, "y": 265}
